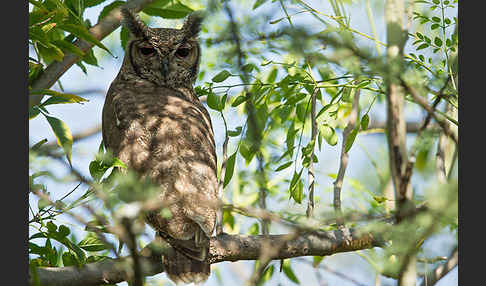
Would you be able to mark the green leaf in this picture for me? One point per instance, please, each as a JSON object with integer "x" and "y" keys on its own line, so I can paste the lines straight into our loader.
{"x": 72, "y": 98}
{"x": 438, "y": 41}
{"x": 246, "y": 152}
{"x": 63, "y": 135}
{"x": 276, "y": 21}
{"x": 254, "y": 229}
{"x": 108, "y": 8}
{"x": 228, "y": 218}
{"x": 38, "y": 144}
{"x": 90, "y": 58}
{"x": 69, "y": 47}
{"x": 175, "y": 10}
{"x": 379, "y": 199}
{"x": 230, "y": 167}
{"x": 92, "y": 243}
{"x": 213, "y": 101}
{"x": 436, "y": 19}
{"x": 76, "y": 249}
{"x": 239, "y": 100}
{"x": 348, "y": 93}
{"x": 329, "y": 134}
{"x": 118, "y": 163}
{"x": 224, "y": 74}
{"x": 83, "y": 33}
{"x": 289, "y": 272}
{"x": 365, "y": 120}
{"x": 50, "y": 53}
{"x": 422, "y": 46}
{"x": 33, "y": 111}
{"x": 350, "y": 139}
{"x": 266, "y": 275}
{"x": 42, "y": 203}
{"x": 35, "y": 249}
{"x": 362, "y": 84}
{"x": 332, "y": 107}
{"x": 248, "y": 68}
{"x": 124, "y": 37}
{"x": 97, "y": 170}
{"x": 434, "y": 26}
{"x": 64, "y": 230}
{"x": 300, "y": 110}
{"x": 272, "y": 75}
{"x": 51, "y": 227}
{"x": 258, "y": 3}
{"x": 317, "y": 260}
{"x": 237, "y": 132}
{"x": 284, "y": 166}
{"x": 295, "y": 98}
{"x": 291, "y": 138}
{"x": 91, "y": 3}
{"x": 69, "y": 259}
{"x": 296, "y": 187}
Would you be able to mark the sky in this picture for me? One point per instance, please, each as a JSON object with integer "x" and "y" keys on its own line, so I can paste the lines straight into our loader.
{"x": 79, "y": 118}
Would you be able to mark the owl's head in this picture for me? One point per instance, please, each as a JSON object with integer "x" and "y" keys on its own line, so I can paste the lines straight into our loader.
{"x": 166, "y": 57}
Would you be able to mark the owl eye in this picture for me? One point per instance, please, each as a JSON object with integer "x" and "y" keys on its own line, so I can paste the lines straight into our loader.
{"x": 146, "y": 51}
{"x": 183, "y": 52}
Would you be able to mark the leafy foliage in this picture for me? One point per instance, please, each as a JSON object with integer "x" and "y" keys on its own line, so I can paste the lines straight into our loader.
{"x": 271, "y": 68}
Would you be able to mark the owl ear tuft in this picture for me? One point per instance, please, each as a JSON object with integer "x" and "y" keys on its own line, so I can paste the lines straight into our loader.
{"x": 192, "y": 25}
{"x": 133, "y": 23}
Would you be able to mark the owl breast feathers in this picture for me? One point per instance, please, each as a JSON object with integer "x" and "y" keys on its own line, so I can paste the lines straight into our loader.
{"x": 154, "y": 122}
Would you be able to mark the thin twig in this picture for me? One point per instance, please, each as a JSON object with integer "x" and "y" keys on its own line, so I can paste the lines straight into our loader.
{"x": 330, "y": 270}
{"x": 440, "y": 271}
{"x": 423, "y": 103}
{"x": 310, "y": 204}
{"x": 219, "y": 215}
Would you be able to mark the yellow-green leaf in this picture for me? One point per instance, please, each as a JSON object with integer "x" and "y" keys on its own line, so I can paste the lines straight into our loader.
{"x": 83, "y": 33}
{"x": 329, "y": 134}
{"x": 365, "y": 120}
{"x": 289, "y": 272}
{"x": 63, "y": 135}
{"x": 350, "y": 139}
{"x": 61, "y": 97}
{"x": 69, "y": 47}
{"x": 317, "y": 260}
{"x": 230, "y": 167}
{"x": 221, "y": 76}
{"x": 92, "y": 243}
{"x": 213, "y": 101}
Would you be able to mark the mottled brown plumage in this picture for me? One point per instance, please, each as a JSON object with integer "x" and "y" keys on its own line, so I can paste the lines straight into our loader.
{"x": 154, "y": 122}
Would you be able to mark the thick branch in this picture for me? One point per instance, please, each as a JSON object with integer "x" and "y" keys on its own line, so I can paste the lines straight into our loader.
{"x": 343, "y": 162}
{"x": 102, "y": 29}
{"x": 222, "y": 248}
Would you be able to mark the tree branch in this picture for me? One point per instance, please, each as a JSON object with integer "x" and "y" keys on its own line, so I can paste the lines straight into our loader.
{"x": 435, "y": 275}
{"x": 343, "y": 163}
{"x": 222, "y": 248}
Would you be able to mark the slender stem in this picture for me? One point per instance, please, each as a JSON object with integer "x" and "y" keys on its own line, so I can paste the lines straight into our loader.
{"x": 373, "y": 28}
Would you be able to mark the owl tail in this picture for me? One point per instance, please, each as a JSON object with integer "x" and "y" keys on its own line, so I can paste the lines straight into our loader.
{"x": 184, "y": 265}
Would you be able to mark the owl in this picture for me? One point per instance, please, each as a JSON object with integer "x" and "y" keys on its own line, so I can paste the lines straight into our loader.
{"x": 154, "y": 122}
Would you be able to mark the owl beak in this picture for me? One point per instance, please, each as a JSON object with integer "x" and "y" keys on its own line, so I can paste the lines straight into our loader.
{"x": 165, "y": 67}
